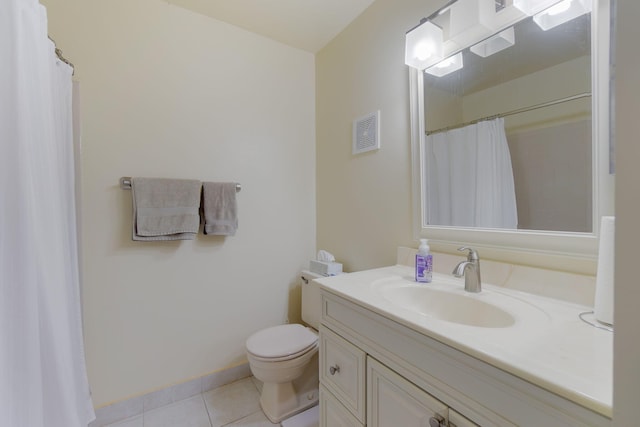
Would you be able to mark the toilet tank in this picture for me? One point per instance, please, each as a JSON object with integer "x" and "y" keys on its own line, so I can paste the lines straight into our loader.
{"x": 311, "y": 301}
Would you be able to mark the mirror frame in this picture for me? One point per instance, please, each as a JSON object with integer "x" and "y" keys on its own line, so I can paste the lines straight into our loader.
{"x": 569, "y": 251}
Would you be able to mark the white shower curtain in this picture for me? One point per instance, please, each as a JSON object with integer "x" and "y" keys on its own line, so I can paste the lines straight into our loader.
{"x": 43, "y": 380}
{"x": 469, "y": 178}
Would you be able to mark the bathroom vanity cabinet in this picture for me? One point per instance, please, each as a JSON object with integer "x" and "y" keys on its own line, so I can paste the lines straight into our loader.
{"x": 377, "y": 372}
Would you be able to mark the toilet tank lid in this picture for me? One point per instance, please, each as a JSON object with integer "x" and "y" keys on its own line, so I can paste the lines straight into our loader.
{"x": 279, "y": 341}
{"x": 311, "y": 275}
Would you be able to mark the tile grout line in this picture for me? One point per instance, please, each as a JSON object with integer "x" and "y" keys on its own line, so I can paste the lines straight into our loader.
{"x": 206, "y": 407}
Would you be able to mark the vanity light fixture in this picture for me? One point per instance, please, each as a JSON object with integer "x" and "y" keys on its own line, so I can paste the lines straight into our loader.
{"x": 494, "y": 44}
{"x": 423, "y": 45}
{"x": 562, "y": 12}
{"x": 446, "y": 66}
{"x": 531, "y": 7}
{"x": 471, "y": 20}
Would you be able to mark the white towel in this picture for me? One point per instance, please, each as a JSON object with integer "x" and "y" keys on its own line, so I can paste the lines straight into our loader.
{"x": 220, "y": 208}
{"x": 165, "y": 209}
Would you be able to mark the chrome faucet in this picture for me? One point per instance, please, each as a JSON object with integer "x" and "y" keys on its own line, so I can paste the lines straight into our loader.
{"x": 470, "y": 269}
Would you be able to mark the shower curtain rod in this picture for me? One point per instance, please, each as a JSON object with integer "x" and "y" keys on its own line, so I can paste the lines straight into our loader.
{"x": 62, "y": 58}
{"x": 512, "y": 112}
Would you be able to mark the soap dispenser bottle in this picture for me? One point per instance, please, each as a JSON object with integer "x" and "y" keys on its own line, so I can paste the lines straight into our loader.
{"x": 424, "y": 263}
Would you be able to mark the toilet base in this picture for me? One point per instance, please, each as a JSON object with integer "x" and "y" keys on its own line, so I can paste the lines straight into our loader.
{"x": 284, "y": 400}
{"x": 280, "y": 401}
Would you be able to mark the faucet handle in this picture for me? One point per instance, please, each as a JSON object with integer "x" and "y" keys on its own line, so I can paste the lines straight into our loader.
{"x": 472, "y": 256}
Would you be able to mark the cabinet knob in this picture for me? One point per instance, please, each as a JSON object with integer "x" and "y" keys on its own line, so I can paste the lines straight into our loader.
{"x": 436, "y": 421}
{"x": 334, "y": 369}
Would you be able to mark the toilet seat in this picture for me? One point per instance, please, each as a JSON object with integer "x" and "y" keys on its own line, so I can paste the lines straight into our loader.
{"x": 311, "y": 348}
{"x": 283, "y": 342}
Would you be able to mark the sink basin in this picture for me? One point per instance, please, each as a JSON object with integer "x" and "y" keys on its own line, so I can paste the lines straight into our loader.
{"x": 450, "y": 307}
{"x": 446, "y": 300}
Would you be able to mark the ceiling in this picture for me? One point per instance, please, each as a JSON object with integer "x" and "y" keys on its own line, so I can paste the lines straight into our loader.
{"x": 305, "y": 24}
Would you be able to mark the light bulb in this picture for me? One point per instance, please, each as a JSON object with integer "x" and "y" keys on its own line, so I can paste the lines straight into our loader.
{"x": 423, "y": 46}
{"x": 447, "y": 66}
{"x": 445, "y": 63}
{"x": 423, "y": 51}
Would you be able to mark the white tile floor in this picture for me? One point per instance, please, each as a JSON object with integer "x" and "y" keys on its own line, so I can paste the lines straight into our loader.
{"x": 233, "y": 405}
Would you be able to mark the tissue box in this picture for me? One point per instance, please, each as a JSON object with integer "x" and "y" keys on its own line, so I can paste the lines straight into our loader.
{"x": 325, "y": 268}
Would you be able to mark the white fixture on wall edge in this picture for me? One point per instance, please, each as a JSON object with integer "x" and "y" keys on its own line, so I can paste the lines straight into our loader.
{"x": 446, "y": 66}
{"x": 495, "y": 44}
{"x": 562, "y": 12}
{"x": 366, "y": 133}
{"x": 423, "y": 46}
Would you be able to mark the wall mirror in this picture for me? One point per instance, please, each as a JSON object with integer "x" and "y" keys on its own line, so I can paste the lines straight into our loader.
{"x": 510, "y": 126}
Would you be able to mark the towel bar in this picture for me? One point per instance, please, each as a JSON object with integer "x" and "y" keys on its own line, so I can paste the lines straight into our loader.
{"x": 125, "y": 184}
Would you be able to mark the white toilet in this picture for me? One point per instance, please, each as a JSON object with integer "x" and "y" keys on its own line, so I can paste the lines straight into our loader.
{"x": 285, "y": 359}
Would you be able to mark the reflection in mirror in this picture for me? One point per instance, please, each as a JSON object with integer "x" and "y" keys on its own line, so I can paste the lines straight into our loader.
{"x": 509, "y": 130}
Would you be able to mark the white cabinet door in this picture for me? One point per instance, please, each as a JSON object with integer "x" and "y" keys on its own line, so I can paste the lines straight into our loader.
{"x": 393, "y": 401}
{"x": 457, "y": 420}
{"x": 333, "y": 413}
{"x": 342, "y": 371}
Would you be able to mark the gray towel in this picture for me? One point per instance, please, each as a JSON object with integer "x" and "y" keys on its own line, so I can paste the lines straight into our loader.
{"x": 165, "y": 209}
{"x": 220, "y": 208}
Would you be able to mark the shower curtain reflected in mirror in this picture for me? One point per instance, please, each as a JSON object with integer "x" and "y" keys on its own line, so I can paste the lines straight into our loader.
{"x": 469, "y": 178}
{"x": 43, "y": 380}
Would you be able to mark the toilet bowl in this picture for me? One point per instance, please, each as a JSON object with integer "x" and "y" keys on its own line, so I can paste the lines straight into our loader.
{"x": 285, "y": 359}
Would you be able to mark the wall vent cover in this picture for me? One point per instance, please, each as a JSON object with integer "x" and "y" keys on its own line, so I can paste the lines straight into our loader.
{"x": 366, "y": 133}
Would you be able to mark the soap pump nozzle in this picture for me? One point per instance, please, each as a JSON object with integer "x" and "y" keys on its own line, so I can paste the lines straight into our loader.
{"x": 424, "y": 247}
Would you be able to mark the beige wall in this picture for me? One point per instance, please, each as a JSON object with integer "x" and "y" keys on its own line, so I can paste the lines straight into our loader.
{"x": 552, "y": 177}
{"x": 166, "y": 92}
{"x": 441, "y": 108}
{"x": 627, "y": 92}
{"x": 364, "y": 201}
{"x": 570, "y": 78}
{"x": 563, "y": 80}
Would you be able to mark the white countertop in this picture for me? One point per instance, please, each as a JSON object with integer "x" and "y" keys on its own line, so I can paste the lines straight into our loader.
{"x": 548, "y": 345}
